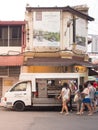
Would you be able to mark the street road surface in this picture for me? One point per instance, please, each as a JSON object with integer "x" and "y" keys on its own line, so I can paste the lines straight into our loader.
{"x": 46, "y": 120}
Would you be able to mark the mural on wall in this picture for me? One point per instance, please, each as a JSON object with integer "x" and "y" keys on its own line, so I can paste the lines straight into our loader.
{"x": 80, "y": 40}
{"x": 81, "y": 33}
{"x": 46, "y": 28}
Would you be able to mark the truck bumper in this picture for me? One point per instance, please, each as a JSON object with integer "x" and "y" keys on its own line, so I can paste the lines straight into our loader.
{"x": 5, "y": 104}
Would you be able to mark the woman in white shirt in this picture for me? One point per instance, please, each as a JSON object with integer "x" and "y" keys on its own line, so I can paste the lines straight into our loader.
{"x": 86, "y": 100}
{"x": 65, "y": 94}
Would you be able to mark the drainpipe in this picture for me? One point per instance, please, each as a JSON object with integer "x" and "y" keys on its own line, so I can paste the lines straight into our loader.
{"x": 23, "y": 41}
{"x": 74, "y": 30}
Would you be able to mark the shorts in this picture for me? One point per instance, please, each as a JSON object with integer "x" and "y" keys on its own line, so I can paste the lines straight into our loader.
{"x": 86, "y": 100}
{"x": 65, "y": 99}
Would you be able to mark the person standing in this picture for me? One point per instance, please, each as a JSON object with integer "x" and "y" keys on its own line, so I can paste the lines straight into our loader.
{"x": 65, "y": 95}
{"x": 86, "y": 100}
{"x": 73, "y": 88}
{"x": 92, "y": 91}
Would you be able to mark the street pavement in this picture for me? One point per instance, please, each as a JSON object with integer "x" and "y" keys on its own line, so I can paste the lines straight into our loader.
{"x": 46, "y": 120}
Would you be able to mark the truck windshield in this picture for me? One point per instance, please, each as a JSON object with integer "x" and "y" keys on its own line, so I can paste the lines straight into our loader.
{"x": 20, "y": 87}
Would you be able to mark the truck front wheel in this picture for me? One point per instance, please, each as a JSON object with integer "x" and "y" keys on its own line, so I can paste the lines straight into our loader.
{"x": 19, "y": 106}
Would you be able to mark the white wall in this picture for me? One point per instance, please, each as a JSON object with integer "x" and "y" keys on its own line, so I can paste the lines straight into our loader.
{"x": 10, "y": 50}
{"x": 66, "y": 33}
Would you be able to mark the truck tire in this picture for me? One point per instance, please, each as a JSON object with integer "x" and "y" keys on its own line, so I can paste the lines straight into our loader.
{"x": 19, "y": 106}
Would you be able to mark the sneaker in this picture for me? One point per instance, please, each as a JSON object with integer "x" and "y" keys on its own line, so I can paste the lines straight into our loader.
{"x": 61, "y": 112}
{"x": 90, "y": 114}
{"x": 78, "y": 113}
{"x": 67, "y": 113}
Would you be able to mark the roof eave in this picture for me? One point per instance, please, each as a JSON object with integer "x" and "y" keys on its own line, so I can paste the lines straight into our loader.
{"x": 78, "y": 13}
{"x": 67, "y": 8}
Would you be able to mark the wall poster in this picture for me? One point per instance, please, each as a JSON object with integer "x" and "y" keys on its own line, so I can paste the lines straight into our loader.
{"x": 46, "y": 26}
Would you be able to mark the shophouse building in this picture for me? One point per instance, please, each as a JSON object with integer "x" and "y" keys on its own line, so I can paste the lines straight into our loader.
{"x": 56, "y": 42}
{"x": 12, "y": 43}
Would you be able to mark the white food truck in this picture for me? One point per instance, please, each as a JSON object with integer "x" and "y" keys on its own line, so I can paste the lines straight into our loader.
{"x": 38, "y": 89}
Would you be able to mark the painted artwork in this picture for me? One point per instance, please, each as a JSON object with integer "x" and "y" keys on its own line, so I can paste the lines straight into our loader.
{"x": 46, "y": 26}
{"x": 81, "y": 32}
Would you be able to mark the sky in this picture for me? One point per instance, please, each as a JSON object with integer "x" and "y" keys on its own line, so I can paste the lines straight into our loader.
{"x": 15, "y": 9}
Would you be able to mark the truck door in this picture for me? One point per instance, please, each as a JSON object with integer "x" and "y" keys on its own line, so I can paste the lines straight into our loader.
{"x": 21, "y": 92}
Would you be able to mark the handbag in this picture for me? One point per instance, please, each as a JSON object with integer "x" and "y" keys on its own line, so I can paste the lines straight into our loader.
{"x": 76, "y": 98}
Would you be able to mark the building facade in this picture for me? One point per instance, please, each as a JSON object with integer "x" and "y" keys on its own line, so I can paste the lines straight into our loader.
{"x": 56, "y": 42}
{"x": 50, "y": 40}
{"x": 12, "y": 43}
